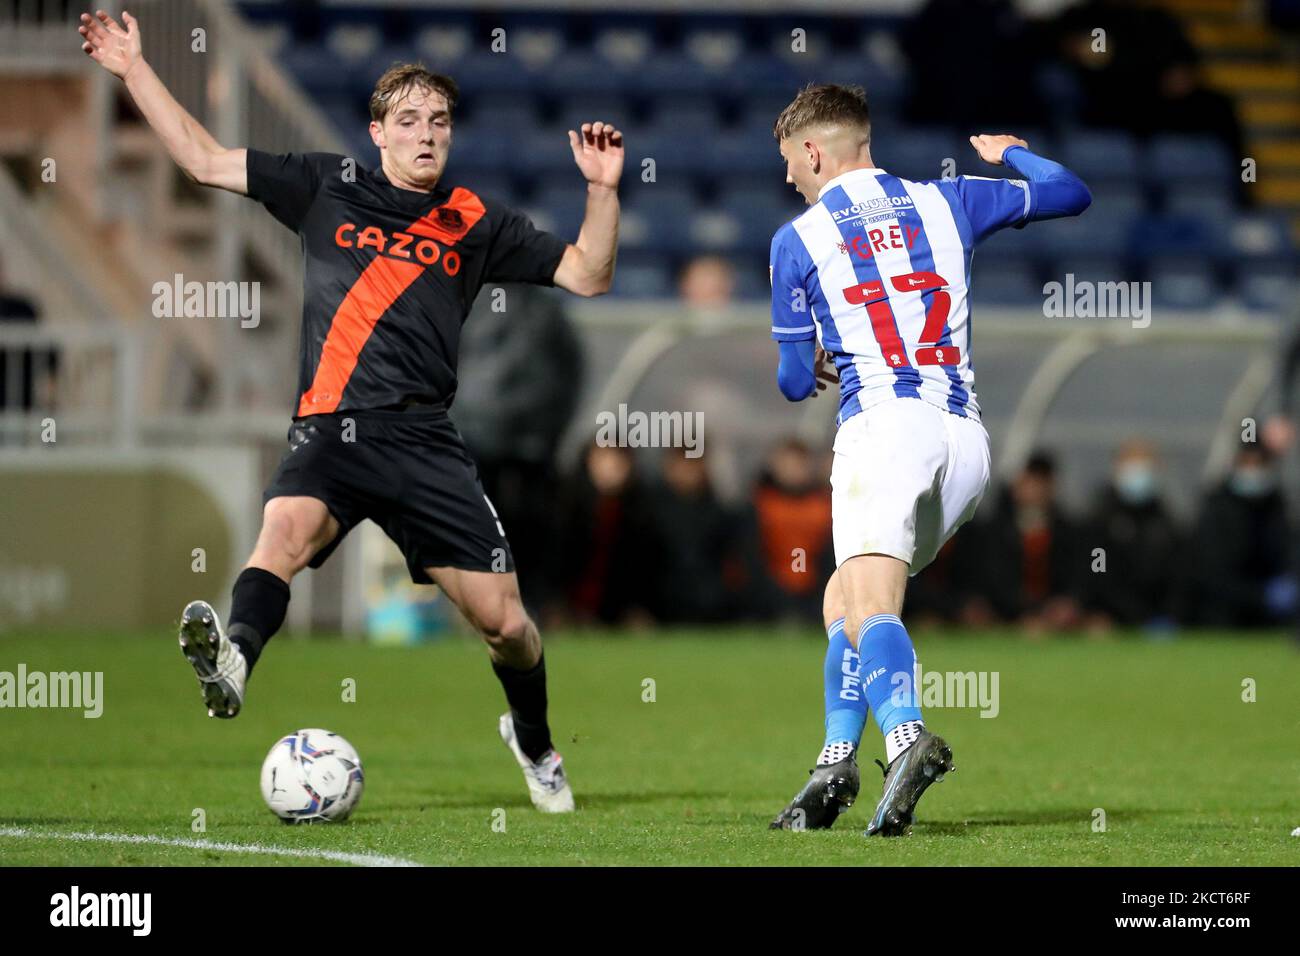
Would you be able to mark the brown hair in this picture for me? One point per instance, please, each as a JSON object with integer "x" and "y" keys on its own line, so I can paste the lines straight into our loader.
{"x": 828, "y": 104}
{"x": 400, "y": 78}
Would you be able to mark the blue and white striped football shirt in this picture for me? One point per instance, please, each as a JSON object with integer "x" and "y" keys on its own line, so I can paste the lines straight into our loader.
{"x": 878, "y": 271}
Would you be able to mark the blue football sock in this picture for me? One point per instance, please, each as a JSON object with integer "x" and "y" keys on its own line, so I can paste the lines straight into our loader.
{"x": 846, "y": 706}
{"x": 888, "y": 671}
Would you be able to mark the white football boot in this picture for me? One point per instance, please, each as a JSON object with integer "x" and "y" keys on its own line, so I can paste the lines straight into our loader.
{"x": 219, "y": 664}
{"x": 547, "y": 784}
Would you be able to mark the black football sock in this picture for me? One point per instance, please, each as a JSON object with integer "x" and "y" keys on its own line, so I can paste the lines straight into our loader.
{"x": 256, "y": 611}
{"x": 526, "y": 694}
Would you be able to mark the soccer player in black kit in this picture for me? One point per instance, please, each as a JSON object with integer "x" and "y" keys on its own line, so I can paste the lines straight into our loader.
{"x": 394, "y": 259}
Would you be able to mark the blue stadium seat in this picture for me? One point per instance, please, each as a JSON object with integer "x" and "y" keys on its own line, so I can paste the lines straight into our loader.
{"x": 759, "y": 112}
{"x": 579, "y": 108}
{"x": 1102, "y": 155}
{"x": 918, "y": 153}
{"x": 885, "y": 88}
{"x": 1207, "y": 201}
{"x": 1184, "y": 284}
{"x": 1086, "y": 235}
{"x": 505, "y": 111}
{"x": 751, "y": 281}
{"x": 490, "y": 148}
{"x": 673, "y": 73}
{"x": 1188, "y": 159}
{"x": 743, "y": 152}
{"x": 318, "y": 71}
{"x": 1271, "y": 287}
{"x": 1096, "y": 269}
{"x": 642, "y": 277}
{"x": 684, "y": 115}
{"x": 1261, "y": 236}
{"x": 758, "y": 189}
{"x": 1125, "y": 200}
{"x": 715, "y": 230}
{"x": 1168, "y": 236}
{"x": 997, "y": 281}
{"x": 674, "y": 199}
{"x": 763, "y": 75}
{"x": 485, "y": 72}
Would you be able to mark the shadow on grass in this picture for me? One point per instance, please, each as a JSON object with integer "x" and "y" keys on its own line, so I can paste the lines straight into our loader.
{"x": 1081, "y": 817}
{"x": 517, "y": 798}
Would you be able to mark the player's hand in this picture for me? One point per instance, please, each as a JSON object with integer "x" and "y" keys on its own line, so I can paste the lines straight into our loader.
{"x": 991, "y": 148}
{"x": 823, "y": 371}
{"x": 114, "y": 48}
{"x": 598, "y": 151}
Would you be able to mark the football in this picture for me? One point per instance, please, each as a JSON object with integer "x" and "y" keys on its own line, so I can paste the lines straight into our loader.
{"x": 312, "y": 775}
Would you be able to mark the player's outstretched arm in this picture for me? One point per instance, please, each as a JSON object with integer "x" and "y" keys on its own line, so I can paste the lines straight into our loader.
{"x": 117, "y": 49}
{"x": 1057, "y": 191}
{"x": 587, "y": 267}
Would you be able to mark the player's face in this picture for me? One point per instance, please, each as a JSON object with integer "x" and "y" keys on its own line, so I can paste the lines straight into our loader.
{"x": 798, "y": 170}
{"x": 415, "y": 139}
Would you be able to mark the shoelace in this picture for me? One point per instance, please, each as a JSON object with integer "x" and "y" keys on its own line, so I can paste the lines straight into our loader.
{"x": 883, "y": 769}
{"x": 228, "y": 658}
{"x": 550, "y": 773}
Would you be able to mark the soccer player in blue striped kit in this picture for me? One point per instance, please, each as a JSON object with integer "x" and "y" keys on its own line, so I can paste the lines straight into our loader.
{"x": 874, "y": 280}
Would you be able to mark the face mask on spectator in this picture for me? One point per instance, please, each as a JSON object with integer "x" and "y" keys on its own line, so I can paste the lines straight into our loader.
{"x": 1135, "y": 483}
{"x": 1250, "y": 482}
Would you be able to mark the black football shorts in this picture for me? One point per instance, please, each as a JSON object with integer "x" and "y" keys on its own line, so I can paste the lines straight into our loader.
{"x": 408, "y": 471}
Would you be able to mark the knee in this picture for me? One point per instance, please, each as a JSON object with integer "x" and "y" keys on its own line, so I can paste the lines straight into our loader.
{"x": 503, "y": 624}
{"x": 288, "y": 537}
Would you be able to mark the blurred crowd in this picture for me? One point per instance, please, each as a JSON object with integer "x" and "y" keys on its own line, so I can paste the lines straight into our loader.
{"x": 623, "y": 546}
{"x": 636, "y": 537}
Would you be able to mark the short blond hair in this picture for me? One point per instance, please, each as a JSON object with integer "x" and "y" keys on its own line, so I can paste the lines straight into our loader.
{"x": 400, "y": 78}
{"x": 826, "y": 105}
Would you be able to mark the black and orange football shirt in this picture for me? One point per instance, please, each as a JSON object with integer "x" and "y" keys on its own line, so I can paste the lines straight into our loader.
{"x": 390, "y": 275}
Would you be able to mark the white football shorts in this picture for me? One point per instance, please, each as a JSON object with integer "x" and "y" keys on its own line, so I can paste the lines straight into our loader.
{"x": 906, "y": 476}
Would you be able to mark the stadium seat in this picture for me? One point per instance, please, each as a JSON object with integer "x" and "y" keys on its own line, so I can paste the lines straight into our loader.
{"x": 674, "y": 73}
{"x": 1124, "y": 200}
{"x": 690, "y": 115}
{"x": 579, "y": 108}
{"x": 1169, "y": 235}
{"x": 318, "y": 71}
{"x": 626, "y": 46}
{"x": 1207, "y": 201}
{"x": 999, "y": 282}
{"x": 490, "y": 148}
{"x": 1102, "y": 156}
{"x": 1271, "y": 287}
{"x": 751, "y": 281}
{"x": 1188, "y": 159}
{"x": 500, "y": 111}
{"x": 641, "y": 276}
{"x": 1261, "y": 236}
{"x": 1184, "y": 284}
{"x": 918, "y": 153}
{"x": 482, "y": 72}
{"x": 1087, "y": 235}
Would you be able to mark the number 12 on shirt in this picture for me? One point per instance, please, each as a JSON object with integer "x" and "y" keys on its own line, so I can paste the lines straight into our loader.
{"x": 876, "y": 299}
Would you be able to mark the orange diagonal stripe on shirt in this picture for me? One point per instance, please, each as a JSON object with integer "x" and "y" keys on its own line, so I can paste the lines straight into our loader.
{"x": 375, "y": 290}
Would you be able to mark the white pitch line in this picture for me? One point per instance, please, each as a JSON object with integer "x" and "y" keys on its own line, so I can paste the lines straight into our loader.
{"x": 357, "y": 859}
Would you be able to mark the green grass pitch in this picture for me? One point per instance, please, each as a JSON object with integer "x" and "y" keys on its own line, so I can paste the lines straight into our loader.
{"x": 1156, "y": 735}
